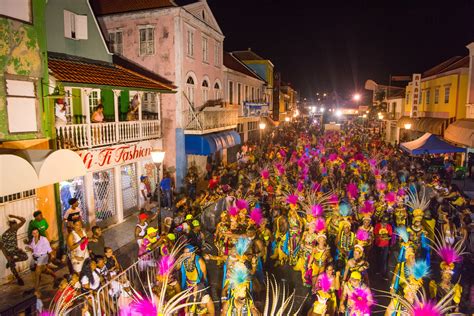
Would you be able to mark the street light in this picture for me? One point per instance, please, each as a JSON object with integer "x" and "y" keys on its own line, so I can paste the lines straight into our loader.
{"x": 287, "y": 119}
{"x": 158, "y": 157}
{"x": 338, "y": 113}
{"x": 262, "y": 126}
{"x": 322, "y": 110}
{"x": 356, "y": 97}
{"x": 364, "y": 116}
{"x": 407, "y": 126}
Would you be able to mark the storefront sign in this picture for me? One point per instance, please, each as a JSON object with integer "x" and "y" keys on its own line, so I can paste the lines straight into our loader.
{"x": 115, "y": 155}
{"x": 415, "y": 94}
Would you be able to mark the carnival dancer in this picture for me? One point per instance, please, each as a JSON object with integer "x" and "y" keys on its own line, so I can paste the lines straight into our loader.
{"x": 418, "y": 202}
{"x": 280, "y": 251}
{"x": 221, "y": 238}
{"x": 356, "y": 298}
{"x": 357, "y": 263}
{"x": 193, "y": 269}
{"x": 346, "y": 238}
{"x": 306, "y": 248}
{"x": 325, "y": 288}
{"x": 319, "y": 258}
{"x": 405, "y": 261}
{"x": 295, "y": 227}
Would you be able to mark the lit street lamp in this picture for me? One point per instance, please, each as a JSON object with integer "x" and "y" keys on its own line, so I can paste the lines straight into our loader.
{"x": 158, "y": 157}
{"x": 338, "y": 113}
{"x": 287, "y": 119}
{"x": 356, "y": 97}
{"x": 262, "y": 126}
{"x": 407, "y": 126}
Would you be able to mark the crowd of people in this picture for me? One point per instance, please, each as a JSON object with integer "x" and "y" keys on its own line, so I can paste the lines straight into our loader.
{"x": 361, "y": 224}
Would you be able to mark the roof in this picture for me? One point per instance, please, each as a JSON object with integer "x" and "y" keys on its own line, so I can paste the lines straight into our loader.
{"x": 104, "y": 7}
{"x": 74, "y": 69}
{"x": 448, "y": 65}
{"x": 429, "y": 144}
{"x": 232, "y": 62}
{"x": 247, "y": 55}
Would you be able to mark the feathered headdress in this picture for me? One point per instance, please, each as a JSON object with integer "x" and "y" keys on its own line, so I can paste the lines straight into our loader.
{"x": 165, "y": 266}
{"x": 362, "y": 300}
{"x": 242, "y": 204}
{"x": 256, "y": 215}
{"x": 402, "y": 232}
{"x": 419, "y": 270}
{"x": 324, "y": 282}
{"x": 316, "y": 204}
{"x": 449, "y": 254}
{"x": 362, "y": 235}
{"x": 265, "y": 174}
{"x": 292, "y": 199}
{"x": 242, "y": 245}
{"x": 390, "y": 198}
{"x": 352, "y": 190}
{"x": 238, "y": 276}
{"x": 317, "y": 210}
{"x": 233, "y": 211}
{"x": 364, "y": 188}
{"x": 380, "y": 186}
{"x": 418, "y": 202}
{"x": 345, "y": 209}
{"x": 320, "y": 225}
{"x": 279, "y": 302}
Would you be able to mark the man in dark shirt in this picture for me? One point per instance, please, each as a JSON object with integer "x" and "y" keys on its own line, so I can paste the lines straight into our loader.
{"x": 96, "y": 243}
{"x": 9, "y": 246}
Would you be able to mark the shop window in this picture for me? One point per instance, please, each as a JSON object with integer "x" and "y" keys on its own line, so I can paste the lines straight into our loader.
{"x": 446, "y": 94}
{"x": 116, "y": 42}
{"x": 149, "y": 102}
{"x": 75, "y": 26}
{"x": 427, "y": 97}
{"x": 21, "y": 106}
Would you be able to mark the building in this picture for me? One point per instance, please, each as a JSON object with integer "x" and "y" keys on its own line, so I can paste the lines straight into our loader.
{"x": 441, "y": 98}
{"x": 264, "y": 69}
{"x": 185, "y": 45}
{"x": 115, "y": 146}
{"x": 288, "y": 100}
{"x": 243, "y": 89}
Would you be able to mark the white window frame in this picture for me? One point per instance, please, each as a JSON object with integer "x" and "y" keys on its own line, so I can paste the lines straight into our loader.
{"x": 21, "y": 105}
{"x": 93, "y": 100}
{"x": 190, "y": 43}
{"x": 205, "y": 49}
{"x": 114, "y": 46}
{"x": 21, "y": 10}
{"x": 75, "y": 26}
{"x": 190, "y": 89}
{"x": 146, "y": 47}
{"x": 447, "y": 93}
{"x": 217, "y": 53}
{"x": 428, "y": 96}
{"x": 239, "y": 93}
{"x": 231, "y": 91}
{"x": 217, "y": 91}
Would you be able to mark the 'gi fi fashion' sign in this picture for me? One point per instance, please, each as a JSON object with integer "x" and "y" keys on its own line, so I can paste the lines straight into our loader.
{"x": 415, "y": 94}
{"x": 115, "y": 155}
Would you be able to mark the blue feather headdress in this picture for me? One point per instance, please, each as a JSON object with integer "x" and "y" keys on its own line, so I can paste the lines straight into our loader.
{"x": 402, "y": 232}
{"x": 242, "y": 245}
{"x": 239, "y": 276}
{"x": 345, "y": 209}
{"x": 419, "y": 270}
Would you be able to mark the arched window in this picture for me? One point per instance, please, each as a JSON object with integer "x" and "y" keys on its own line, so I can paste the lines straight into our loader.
{"x": 217, "y": 90}
{"x": 205, "y": 91}
{"x": 190, "y": 90}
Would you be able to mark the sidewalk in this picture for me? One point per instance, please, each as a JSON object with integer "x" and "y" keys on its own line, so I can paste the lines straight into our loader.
{"x": 119, "y": 237}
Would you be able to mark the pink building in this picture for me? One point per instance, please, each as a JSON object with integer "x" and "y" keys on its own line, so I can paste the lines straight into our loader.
{"x": 184, "y": 44}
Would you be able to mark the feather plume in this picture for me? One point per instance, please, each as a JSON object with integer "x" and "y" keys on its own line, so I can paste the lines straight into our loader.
{"x": 242, "y": 246}
{"x": 362, "y": 300}
{"x": 419, "y": 270}
{"x": 143, "y": 307}
{"x": 332, "y": 157}
{"x": 300, "y": 187}
{"x": 402, "y": 232}
{"x": 165, "y": 265}
{"x": 241, "y": 204}
{"x": 417, "y": 200}
{"x": 364, "y": 188}
{"x": 315, "y": 186}
{"x": 265, "y": 174}
{"x": 449, "y": 255}
{"x": 401, "y": 192}
{"x": 238, "y": 275}
{"x": 367, "y": 208}
{"x": 320, "y": 225}
{"x": 282, "y": 152}
{"x": 362, "y": 235}
{"x": 317, "y": 210}
{"x": 344, "y": 209}
{"x": 324, "y": 282}
{"x": 292, "y": 199}
{"x": 390, "y": 197}
{"x": 233, "y": 211}
{"x": 352, "y": 190}
{"x": 334, "y": 199}
{"x": 372, "y": 162}
{"x": 428, "y": 308}
{"x": 380, "y": 186}
{"x": 256, "y": 215}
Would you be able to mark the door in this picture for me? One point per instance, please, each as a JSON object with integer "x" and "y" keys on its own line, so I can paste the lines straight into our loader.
{"x": 104, "y": 198}
{"x": 129, "y": 189}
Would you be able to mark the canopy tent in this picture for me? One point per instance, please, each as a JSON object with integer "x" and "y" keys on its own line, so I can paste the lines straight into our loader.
{"x": 430, "y": 144}
{"x": 24, "y": 170}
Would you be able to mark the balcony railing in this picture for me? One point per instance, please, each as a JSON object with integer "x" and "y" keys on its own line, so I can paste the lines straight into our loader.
{"x": 80, "y": 136}
{"x": 210, "y": 120}
{"x": 394, "y": 116}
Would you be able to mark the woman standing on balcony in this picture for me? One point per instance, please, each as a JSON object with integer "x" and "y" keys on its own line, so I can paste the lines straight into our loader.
{"x": 98, "y": 115}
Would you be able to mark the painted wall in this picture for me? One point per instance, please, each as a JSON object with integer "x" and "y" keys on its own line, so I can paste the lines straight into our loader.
{"x": 245, "y": 81}
{"x": 22, "y": 53}
{"x": 92, "y": 48}
{"x": 457, "y": 82}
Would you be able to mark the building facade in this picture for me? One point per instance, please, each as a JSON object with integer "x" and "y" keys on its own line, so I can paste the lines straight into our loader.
{"x": 185, "y": 45}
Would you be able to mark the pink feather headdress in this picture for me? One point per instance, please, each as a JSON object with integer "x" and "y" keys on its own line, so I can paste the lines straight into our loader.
{"x": 380, "y": 186}
{"x": 324, "y": 282}
{"x": 292, "y": 199}
{"x": 165, "y": 265}
{"x": 317, "y": 210}
{"x": 233, "y": 211}
{"x": 320, "y": 225}
{"x": 390, "y": 197}
{"x": 428, "y": 308}
{"x": 334, "y": 199}
{"x": 280, "y": 168}
{"x": 256, "y": 216}
{"x": 333, "y": 157}
{"x": 265, "y": 174}
{"x": 362, "y": 300}
{"x": 300, "y": 186}
{"x": 449, "y": 255}
{"x": 368, "y": 207}
{"x": 401, "y": 192}
{"x": 362, "y": 235}
{"x": 315, "y": 186}
{"x": 352, "y": 190}
{"x": 241, "y": 204}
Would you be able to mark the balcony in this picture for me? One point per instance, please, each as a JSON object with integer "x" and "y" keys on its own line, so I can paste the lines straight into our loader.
{"x": 393, "y": 116}
{"x": 210, "y": 120}
{"x": 83, "y": 136}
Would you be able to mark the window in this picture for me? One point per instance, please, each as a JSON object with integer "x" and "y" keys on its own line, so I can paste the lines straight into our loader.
{"x": 205, "y": 57}
{"x": 446, "y": 94}
{"x": 252, "y": 95}
{"x": 217, "y": 90}
{"x": 231, "y": 92}
{"x": 217, "y": 53}
{"x": 147, "y": 40}
{"x": 21, "y": 106}
{"x": 116, "y": 42}
{"x": 205, "y": 91}
{"x": 407, "y": 98}
{"x": 190, "y": 90}
{"x": 75, "y": 26}
{"x": 246, "y": 93}
{"x": 427, "y": 97}
{"x": 258, "y": 94}
{"x": 239, "y": 93}
{"x": 149, "y": 102}
{"x": 17, "y": 9}
{"x": 436, "y": 96}
{"x": 190, "y": 41}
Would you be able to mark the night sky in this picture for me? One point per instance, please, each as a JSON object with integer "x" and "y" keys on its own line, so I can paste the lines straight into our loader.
{"x": 337, "y": 45}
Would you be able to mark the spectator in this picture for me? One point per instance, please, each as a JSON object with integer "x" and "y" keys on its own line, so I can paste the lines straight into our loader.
{"x": 9, "y": 246}
{"x": 96, "y": 242}
{"x": 90, "y": 279}
{"x": 40, "y": 223}
{"x": 73, "y": 213}
{"x": 111, "y": 262}
{"x": 144, "y": 194}
{"x": 101, "y": 268}
{"x": 98, "y": 115}
{"x": 41, "y": 250}
{"x": 77, "y": 244}
{"x": 167, "y": 187}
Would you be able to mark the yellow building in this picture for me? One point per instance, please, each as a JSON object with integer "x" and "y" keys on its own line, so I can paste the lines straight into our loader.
{"x": 442, "y": 99}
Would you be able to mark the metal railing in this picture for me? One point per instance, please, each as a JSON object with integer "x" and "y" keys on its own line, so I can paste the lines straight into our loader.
{"x": 211, "y": 119}
{"x": 81, "y": 136}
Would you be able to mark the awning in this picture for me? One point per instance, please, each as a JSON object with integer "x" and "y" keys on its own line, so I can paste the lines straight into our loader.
{"x": 210, "y": 143}
{"x": 461, "y": 132}
{"x": 24, "y": 170}
{"x": 430, "y": 125}
{"x": 430, "y": 144}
